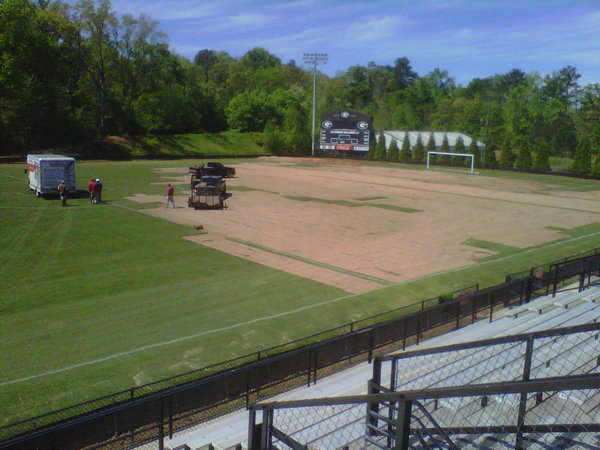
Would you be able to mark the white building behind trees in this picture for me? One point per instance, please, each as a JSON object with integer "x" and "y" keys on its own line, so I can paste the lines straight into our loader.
{"x": 438, "y": 137}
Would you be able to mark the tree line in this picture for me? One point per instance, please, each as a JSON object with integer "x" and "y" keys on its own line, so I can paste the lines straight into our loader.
{"x": 71, "y": 74}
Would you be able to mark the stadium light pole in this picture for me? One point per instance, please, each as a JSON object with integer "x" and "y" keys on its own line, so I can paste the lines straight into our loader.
{"x": 314, "y": 59}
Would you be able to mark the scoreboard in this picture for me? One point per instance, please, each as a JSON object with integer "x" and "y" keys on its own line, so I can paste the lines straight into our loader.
{"x": 345, "y": 131}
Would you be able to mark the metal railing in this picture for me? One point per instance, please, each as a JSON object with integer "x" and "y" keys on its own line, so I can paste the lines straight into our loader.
{"x": 438, "y": 418}
{"x": 540, "y": 386}
{"x": 156, "y": 410}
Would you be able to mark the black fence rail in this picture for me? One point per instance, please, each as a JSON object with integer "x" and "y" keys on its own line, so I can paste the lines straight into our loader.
{"x": 156, "y": 410}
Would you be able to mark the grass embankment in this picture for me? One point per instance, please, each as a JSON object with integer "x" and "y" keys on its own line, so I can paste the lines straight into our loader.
{"x": 205, "y": 145}
{"x": 99, "y": 298}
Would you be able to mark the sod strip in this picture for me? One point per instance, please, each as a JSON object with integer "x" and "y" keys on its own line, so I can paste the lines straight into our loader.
{"x": 310, "y": 261}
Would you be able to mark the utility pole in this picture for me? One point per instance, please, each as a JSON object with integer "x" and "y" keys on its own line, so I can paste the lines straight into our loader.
{"x": 314, "y": 59}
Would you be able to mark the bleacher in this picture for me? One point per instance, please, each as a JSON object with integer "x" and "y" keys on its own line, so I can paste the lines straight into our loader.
{"x": 425, "y": 367}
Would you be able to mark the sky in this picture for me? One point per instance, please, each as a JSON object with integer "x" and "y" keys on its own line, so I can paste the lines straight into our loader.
{"x": 468, "y": 38}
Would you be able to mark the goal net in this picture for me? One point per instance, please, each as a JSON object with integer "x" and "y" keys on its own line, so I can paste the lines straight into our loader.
{"x": 466, "y": 155}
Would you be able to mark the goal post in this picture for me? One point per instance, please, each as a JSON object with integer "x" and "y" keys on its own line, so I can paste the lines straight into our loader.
{"x": 466, "y": 155}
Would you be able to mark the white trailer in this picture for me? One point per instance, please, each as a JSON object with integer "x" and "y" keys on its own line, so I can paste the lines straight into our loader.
{"x": 45, "y": 172}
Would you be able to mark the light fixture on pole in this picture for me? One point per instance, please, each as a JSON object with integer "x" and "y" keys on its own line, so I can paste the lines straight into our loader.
{"x": 314, "y": 59}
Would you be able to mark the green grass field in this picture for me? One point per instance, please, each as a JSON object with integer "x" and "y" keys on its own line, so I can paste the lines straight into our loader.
{"x": 99, "y": 298}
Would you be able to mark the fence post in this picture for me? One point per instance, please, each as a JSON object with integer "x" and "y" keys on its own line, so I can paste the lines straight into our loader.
{"x": 309, "y": 365}
{"x": 523, "y": 399}
{"x": 315, "y": 366}
{"x": 252, "y": 444}
{"x": 161, "y": 424}
{"x": 170, "y": 416}
{"x": 265, "y": 432}
{"x": 458, "y": 307}
{"x": 529, "y": 289}
{"x": 372, "y": 408}
{"x": 371, "y": 344}
{"x": 404, "y": 334}
{"x": 247, "y": 387}
{"x": 403, "y": 424}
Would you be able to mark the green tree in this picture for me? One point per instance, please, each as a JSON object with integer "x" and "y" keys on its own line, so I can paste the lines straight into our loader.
{"x": 582, "y": 160}
{"x": 206, "y": 60}
{"x": 357, "y": 92}
{"x": 273, "y": 139}
{"x": 259, "y": 58}
{"x": 38, "y": 75}
{"x": 588, "y": 115}
{"x": 402, "y": 73}
{"x": 372, "y": 145}
{"x": 459, "y": 147}
{"x": 249, "y": 111}
{"x": 296, "y": 133}
{"x": 523, "y": 161}
{"x": 166, "y": 111}
{"x": 393, "y": 153}
{"x": 405, "y": 153}
{"x": 473, "y": 149}
{"x": 490, "y": 156}
{"x": 97, "y": 26}
{"x": 431, "y": 147}
{"x": 142, "y": 65}
{"x": 419, "y": 150}
{"x": 541, "y": 162}
{"x": 596, "y": 164}
{"x": 380, "y": 148}
{"x": 445, "y": 147}
{"x": 507, "y": 157}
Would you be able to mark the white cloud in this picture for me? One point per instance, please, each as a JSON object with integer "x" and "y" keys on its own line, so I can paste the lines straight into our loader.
{"x": 373, "y": 28}
{"x": 232, "y": 23}
{"x": 169, "y": 10}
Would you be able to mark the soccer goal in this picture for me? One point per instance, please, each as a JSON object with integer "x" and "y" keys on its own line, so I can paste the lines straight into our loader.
{"x": 466, "y": 155}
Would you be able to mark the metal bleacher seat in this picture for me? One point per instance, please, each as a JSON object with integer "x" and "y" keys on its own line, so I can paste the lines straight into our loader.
{"x": 547, "y": 302}
{"x": 592, "y": 295}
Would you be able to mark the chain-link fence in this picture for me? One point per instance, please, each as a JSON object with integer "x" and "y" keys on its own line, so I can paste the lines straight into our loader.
{"x": 557, "y": 413}
{"x": 542, "y": 354}
{"x": 561, "y": 418}
{"x": 514, "y": 408}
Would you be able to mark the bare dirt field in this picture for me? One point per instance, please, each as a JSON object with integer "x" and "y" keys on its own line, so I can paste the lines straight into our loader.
{"x": 362, "y": 227}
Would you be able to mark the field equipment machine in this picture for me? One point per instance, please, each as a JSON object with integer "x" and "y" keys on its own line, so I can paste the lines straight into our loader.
{"x": 208, "y": 191}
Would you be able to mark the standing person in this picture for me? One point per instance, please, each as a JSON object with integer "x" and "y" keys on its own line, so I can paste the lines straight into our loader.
{"x": 92, "y": 189}
{"x": 98, "y": 191}
{"x": 170, "y": 192}
{"x": 62, "y": 191}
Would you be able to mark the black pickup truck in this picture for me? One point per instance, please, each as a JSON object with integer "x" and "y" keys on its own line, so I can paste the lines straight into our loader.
{"x": 213, "y": 169}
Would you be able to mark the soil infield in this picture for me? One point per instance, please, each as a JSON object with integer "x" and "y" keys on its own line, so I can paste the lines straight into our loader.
{"x": 361, "y": 227}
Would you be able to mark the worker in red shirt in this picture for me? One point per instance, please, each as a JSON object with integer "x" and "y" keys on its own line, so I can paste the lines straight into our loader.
{"x": 92, "y": 189}
{"x": 169, "y": 199}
